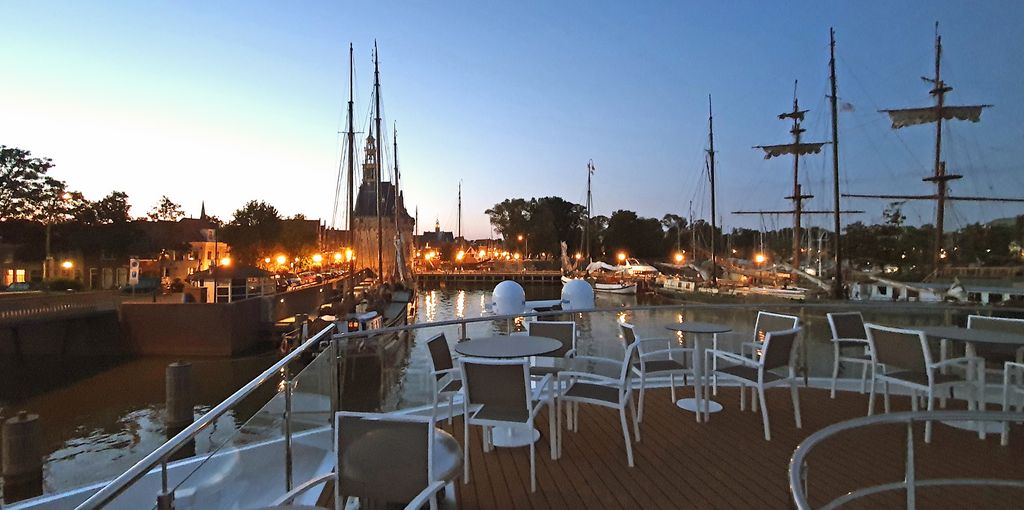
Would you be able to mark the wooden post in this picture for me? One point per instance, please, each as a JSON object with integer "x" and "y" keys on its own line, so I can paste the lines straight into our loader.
{"x": 22, "y": 457}
{"x": 178, "y": 410}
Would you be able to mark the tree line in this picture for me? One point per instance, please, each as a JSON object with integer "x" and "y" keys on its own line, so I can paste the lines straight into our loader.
{"x": 31, "y": 199}
{"x": 544, "y": 222}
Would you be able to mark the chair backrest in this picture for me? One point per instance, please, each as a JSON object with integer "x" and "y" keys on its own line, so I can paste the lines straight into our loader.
{"x": 383, "y": 457}
{"x": 630, "y": 339}
{"x": 502, "y": 386}
{"x": 628, "y": 332}
{"x": 440, "y": 354}
{"x": 563, "y": 331}
{"x": 899, "y": 348}
{"x": 999, "y": 324}
{"x": 847, "y": 325}
{"x": 778, "y": 348}
{"x": 770, "y": 321}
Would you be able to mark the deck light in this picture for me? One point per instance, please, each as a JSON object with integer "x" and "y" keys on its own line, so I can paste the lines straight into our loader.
{"x": 760, "y": 258}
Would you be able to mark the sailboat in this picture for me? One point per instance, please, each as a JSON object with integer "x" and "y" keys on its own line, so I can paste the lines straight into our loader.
{"x": 603, "y": 277}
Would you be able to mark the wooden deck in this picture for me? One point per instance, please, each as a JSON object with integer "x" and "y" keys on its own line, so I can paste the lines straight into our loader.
{"x": 727, "y": 463}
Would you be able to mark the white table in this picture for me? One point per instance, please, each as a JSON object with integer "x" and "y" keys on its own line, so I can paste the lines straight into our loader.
{"x": 697, "y": 329}
{"x": 519, "y": 346}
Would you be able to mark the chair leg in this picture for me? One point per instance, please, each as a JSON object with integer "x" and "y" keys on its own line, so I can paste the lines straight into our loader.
{"x": 863, "y": 378}
{"x": 533, "y": 463}
{"x": 636, "y": 422}
{"x": 743, "y": 404}
{"x": 625, "y": 435}
{"x": 871, "y": 395}
{"x": 753, "y": 403}
{"x": 465, "y": 449}
{"x": 672, "y": 391}
{"x": 643, "y": 381}
{"x": 835, "y": 367}
{"x": 796, "y": 401}
{"x": 885, "y": 392}
{"x": 928, "y": 424}
{"x": 1004, "y": 438}
{"x": 552, "y": 433}
{"x": 913, "y": 400}
{"x": 558, "y": 427}
{"x": 764, "y": 413}
{"x": 451, "y": 408}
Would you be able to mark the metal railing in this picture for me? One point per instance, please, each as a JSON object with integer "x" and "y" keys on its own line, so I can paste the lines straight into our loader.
{"x": 798, "y": 471}
{"x": 160, "y": 456}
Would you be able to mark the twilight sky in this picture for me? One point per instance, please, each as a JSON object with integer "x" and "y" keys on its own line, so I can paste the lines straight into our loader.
{"x": 235, "y": 100}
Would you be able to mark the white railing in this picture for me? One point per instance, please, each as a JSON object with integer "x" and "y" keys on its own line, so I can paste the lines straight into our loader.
{"x": 798, "y": 466}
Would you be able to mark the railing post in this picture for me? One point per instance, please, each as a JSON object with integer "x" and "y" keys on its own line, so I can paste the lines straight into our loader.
{"x": 165, "y": 501}
{"x": 287, "y": 429}
{"x": 335, "y": 394}
{"x": 909, "y": 478}
{"x": 803, "y": 344}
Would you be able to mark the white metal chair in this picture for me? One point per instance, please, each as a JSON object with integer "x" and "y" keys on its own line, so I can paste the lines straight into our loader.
{"x": 564, "y": 332}
{"x": 1014, "y": 389}
{"x": 765, "y": 322}
{"x": 906, "y": 360}
{"x": 387, "y": 459}
{"x": 498, "y": 394}
{"x": 602, "y": 382}
{"x": 848, "y": 332}
{"x": 658, "y": 356}
{"x": 778, "y": 351}
{"x": 446, "y": 380}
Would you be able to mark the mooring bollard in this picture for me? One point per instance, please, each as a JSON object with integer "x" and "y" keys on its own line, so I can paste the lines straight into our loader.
{"x": 178, "y": 412}
{"x": 22, "y": 457}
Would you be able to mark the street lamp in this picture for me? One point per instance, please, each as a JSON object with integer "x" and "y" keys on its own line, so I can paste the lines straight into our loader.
{"x": 317, "y": 258}
{"x": 679, "y": 258}
{"x": 49, "y": 222}
{"x": 281, "y": 259}
{"x": 225, "y": 261}
{"x": 621, "y": 256}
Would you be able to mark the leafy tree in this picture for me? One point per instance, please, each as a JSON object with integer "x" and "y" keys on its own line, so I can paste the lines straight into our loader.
{"x": 165, "y": 210}
{"x": 112, "y": 208}
{"x": 637, "y": 236}
{"x": 26, "y": 192}
{"x": 510, "y": 217}
{"x": 254, "y": 230}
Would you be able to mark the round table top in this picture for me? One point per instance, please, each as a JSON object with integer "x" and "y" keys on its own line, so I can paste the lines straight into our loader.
{"x": 985, "y": 336}
{"x": 518, "y": 346}
{"x": 698, "y": 327}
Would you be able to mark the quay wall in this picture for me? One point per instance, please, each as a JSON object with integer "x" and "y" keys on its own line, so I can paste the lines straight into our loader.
{"x": 522, "y": 277}
{"x": 192, "y": 329}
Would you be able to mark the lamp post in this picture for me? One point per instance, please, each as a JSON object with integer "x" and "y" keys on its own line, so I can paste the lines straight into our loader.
{"x": 526, "y": 245}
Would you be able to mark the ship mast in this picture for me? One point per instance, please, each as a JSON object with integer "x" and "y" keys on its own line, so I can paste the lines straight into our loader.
{"x": 926, "y": 115}
{"x": 380, "y": 220}
{"x": 837, "y": 285}
{"x": 590, "y": 204}
{"x": 395, "y": 141}
{"x": 711, "y": 177}
{"x": 459, "y": 224}
{"x": 349, "y": 204}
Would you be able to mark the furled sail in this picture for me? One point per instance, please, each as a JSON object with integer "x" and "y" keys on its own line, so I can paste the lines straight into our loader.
{"x": 772, "y": 151}
{"x": 913, "y": 116}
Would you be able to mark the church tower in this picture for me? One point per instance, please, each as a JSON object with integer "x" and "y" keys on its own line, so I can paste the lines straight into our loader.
{"x": 371, "y": 171}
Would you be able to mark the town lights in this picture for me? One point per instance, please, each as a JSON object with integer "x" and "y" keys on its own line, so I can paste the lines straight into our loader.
{"x": 349, "y": 254}
{"x": 67, "y": 264}
{"x": 226, "y": 261}
{"x": 516, "y": 256}
{"x": 760, "y": 258}
{"x": 621, "y": 256}
{"x": 481, "y": 254}
{"x": 281, "y": 259}
{"x": 520, "y": 237}
{"x": 579, "y": 256}
{"x": 317, "y": 258}
{"x": 460, "y": 255}
{"x": 337, "y": 257}
{"x": 679, "y": 257}
{"x": 428, "y": 255}
{"x": 266, "y": 260}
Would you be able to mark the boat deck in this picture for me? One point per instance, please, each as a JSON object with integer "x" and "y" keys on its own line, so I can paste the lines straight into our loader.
{"x": 726, "y": 463}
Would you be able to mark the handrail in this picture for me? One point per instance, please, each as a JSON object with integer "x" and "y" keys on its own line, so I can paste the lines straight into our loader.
{"x": 798, "y": 462}
{"x": 158, "y": 456}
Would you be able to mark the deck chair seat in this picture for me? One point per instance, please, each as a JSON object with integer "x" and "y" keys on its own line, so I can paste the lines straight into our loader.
{"x": 453, "y": 386}
{"x": 749, "y": 373}
{"x": 659, "y": 357}
{"x": 921, "y": 378}
{"x": 592, "y": 391}
{"x": 849, "y": 344}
